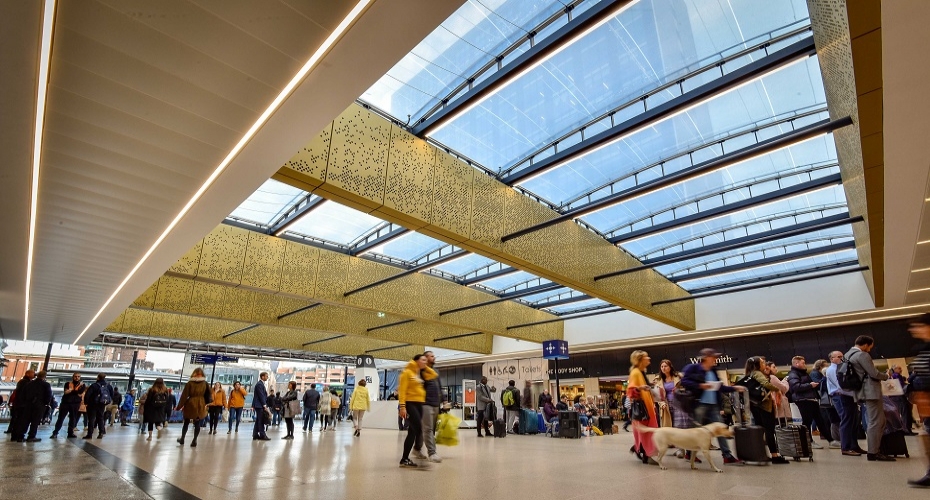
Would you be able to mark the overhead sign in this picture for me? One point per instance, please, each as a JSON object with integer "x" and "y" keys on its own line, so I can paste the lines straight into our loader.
{"x": 555, "y": 349}
{"x": 212, "y": 359}
{"x": 364, "y": 361}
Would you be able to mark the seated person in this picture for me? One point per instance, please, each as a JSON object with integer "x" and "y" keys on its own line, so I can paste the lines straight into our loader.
{"x": 582, "y": 412}
{"x": 550, "y": 413}
{"x": 562, "y": 405}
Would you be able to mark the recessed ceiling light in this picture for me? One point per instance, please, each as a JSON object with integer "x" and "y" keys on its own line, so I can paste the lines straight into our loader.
{"x": 45, "y": 56}
{"x": 285, "y": 93}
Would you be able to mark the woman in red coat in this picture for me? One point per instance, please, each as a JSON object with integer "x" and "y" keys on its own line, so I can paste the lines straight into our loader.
{"x": 638, "y": 388}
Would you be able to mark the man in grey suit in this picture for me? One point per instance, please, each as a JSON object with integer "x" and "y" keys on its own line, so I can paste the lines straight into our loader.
{"x": 870, "y": 393}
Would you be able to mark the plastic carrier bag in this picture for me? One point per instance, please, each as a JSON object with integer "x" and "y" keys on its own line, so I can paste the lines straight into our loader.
{"x": 447, "y": 430}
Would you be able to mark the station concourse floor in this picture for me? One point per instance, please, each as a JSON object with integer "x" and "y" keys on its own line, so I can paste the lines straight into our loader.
{"x": 336, "y": 465}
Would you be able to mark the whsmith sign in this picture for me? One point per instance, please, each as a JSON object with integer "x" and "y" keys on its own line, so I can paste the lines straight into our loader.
{"x": 721, "y": 360}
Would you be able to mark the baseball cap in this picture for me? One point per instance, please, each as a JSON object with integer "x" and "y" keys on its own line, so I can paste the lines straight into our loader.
{"x": 707, "y": 351}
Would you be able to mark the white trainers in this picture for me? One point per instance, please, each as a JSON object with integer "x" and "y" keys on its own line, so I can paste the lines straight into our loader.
{"x": 418, "y": 455}
{"x": 835, "y": 445}
{"x": 435, "y": 458}
{"x": 817, "y": 446}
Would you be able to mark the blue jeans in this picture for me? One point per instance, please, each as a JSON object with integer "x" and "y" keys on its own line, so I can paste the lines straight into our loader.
{"x": 706, "y": 414}
{"x": 235, "y": 415}
{"x": 849, "y": 411}
{"x": 309, "y": 417}
{"x": 275, "y": 417}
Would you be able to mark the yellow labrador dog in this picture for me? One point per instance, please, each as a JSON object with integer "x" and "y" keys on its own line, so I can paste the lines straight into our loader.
{"x": 694, "y": 440}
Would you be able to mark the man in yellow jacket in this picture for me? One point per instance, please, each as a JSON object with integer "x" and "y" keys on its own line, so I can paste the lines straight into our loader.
{"x": 411, "y": 396}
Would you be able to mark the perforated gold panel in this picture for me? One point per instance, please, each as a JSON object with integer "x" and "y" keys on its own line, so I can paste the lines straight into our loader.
{"x": 312, "y": 159}
{"x": 453, "y": 191}
{"x": 468, "y": 208}
{"x": 331, "y": 276}
{"x": 238, "y": 304}
{"x": 137, "y": 321}
{"x": 223, "y": 254}
{"x": 147, "y": 299}
{"x": 207, "y": 299}
{"x": 358, "y": 157}
{"x": 174, "y": 294}
{"x": 298, "y": 273}
{"x": 190, "y": 262}
{"x": 409, "y": 188}
{"x": 263, "y": 259}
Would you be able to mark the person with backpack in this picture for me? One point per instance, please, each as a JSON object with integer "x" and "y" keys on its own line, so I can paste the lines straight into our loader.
{"x": 761, "y": 404}
{"x": 97, "y": 398}
{"x": 845, "y": 404}
{"x": 860, "y": 366}
{"x": 153, "y": 406}
{"x": 510, "y": 400}
{"x": 112, "y": 409}
{"x": 193, "y": 403}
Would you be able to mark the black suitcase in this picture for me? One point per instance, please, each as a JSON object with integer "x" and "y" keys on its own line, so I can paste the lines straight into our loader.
{"x": 500, "y": 428}
{"x": 893, "y": 444}
{"x": 750, "y": 439}
{"x": 794, "y": 441}
{"x": 605, "y": 424}
{"x": 568, "y": 425}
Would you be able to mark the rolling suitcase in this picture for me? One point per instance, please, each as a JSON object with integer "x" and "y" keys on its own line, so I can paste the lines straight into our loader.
{"x": 541, "y": 423}
{"x": 500, "y": 428}
{"x": 794, "y": 441}
{"x": 893, "y": 444}
{"x": 750, "y": 439}
{"x": 529, "y": 422}
{"x": 605, "y": 424}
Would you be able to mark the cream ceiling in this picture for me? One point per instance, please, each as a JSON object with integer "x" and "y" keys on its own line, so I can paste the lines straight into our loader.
{"x": 145, "y": 100}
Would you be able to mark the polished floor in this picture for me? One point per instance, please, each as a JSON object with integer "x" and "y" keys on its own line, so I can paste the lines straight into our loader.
{"x": 336, "y": 465}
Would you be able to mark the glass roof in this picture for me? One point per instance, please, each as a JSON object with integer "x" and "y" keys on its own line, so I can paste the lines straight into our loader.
{"x": 575, "y": 306}
{"x": 508, "y": 280}
{"x": 649, "y": 43}
{"x": 409, "y": 247}
{"x": 774, "y": 269}
{"x": 465, "y": 265}
{"x": 268, "y": 202}
{"x": 334, "y": 222}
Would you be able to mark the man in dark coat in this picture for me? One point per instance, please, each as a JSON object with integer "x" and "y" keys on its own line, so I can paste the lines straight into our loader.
{"x": 96, "y": 399}
{"x": 259, "y": 402}
{"x": 19, "y": 408}
{"x": 38, "y": 399}
{"x": 70, "y": 403}
{"x": 311, "y": 401}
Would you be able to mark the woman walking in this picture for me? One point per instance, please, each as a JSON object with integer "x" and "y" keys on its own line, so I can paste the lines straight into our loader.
{"x": 639, "y": 389}
{"x": 334, "y": 404}
{"x": 291, "y": 408}
{"x": 234, "y": 404}
{"x": 193, "y": 404}
{"x": 678, "y": 417}
{"x": 216, "y": 406}
{"x": 359, "y": 404}
{"x": 154, "y": 403}
{"x": 763, "y": 410}
{"x": 412, "y": 395}
{"x": 324, "y": 408}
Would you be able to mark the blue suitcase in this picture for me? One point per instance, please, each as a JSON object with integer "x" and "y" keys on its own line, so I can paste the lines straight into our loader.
{"x": 528, "y": 422}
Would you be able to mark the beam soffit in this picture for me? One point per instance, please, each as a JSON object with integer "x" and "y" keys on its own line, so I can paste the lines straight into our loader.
{"x": 366, "y": 162}
{"x": 848, "y": 40}
{"x": 237, "y": 258}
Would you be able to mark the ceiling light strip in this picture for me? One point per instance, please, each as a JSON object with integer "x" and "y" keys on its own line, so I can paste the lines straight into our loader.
{"x": 45, "y": 59}
{"x": 265, "y": 116}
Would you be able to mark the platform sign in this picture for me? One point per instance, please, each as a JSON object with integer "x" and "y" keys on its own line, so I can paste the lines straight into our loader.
{"x": 555, "y": 349}
{"x": 212, "y": 359}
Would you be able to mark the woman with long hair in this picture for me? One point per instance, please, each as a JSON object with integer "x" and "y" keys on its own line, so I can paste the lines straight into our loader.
{"x": 781, "y": 407}
{"x": 193, "y": 404}
{"x": 291, "y": 408}
{"x": 216, "y": 406}
{"x": 359, "y": 404}
{"x": 638, "y": 388}
{"x": 763, "y": 411}
{"x": 234, "y": 404}
{"x": 154, "y": 403}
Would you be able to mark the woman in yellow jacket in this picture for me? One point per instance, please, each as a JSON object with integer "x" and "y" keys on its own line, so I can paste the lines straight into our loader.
{"x": 234, "y": 404}
{"x": 215, "y": 408}
{"x": 359, "y": 404}
{"x": 411, "y": 396}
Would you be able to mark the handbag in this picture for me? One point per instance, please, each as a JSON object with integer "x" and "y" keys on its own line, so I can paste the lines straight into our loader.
{"x": 684, "y": 398}
{"x": 638, "y": 410}
{"x": 267, "y": 414}
{"x": 755, "y": 390}
{"x": 293, "y": 408}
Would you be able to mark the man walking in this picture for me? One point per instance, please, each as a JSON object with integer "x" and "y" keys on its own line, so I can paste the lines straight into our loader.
{"x": 70, "y": 402}
{"x": 510, "y": 400}
{"x": 38, "y": 397}
{"x": 97, "y": 397}
{"x": 699, "y": 379}
{"x": 483, "y": 403}
{"x": 805, "y": 393}
{"x": 127, "y": 407}
{"x": 311, "y": 401}
{"x": 259, "y": 403}
{"x": 430, "y": 412}
{"x": 860, "y": 360}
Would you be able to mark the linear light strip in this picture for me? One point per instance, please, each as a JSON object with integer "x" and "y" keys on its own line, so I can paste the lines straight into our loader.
{"x": 45, "y": 59}
{"x": 285, "y": 93}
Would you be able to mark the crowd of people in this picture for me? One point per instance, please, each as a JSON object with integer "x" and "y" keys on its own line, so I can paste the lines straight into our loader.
{"x": 840, "y": 397}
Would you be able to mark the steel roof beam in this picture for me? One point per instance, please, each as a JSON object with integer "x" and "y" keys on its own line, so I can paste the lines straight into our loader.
{"x": 489, "y": 276}
{"x": 678, "y": 104}
{"x": 607, "y": 310}
{"x": 788, "y": 192}
{"x": 765, "y": 147}
{"x": 766, "y": 261}
{"x": 364, "y": 246}
{"x": 421, "y": 267}
{"x": 561, "y": 302}
{"x": 305, "y": 206}
{"x": 512, "y": 295}
{"x": 753, "y": 239}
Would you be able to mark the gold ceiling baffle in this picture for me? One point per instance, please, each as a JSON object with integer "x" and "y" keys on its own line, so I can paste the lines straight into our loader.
{"x": 848, "y": 40}
{"x": 366, "y": 162}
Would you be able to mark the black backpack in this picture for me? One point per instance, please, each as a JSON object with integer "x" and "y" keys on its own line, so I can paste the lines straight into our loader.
{"x": 160, "y": 399}
{"x": 755, "y": 390}
{"x": 847, "y": 376}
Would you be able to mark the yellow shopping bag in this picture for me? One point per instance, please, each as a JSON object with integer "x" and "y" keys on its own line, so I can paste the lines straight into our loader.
{"x": 447, "y": 430}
